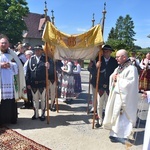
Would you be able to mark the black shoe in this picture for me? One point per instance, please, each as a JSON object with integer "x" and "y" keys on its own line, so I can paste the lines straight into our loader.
{"x": 114, "y": 139}
{"x": 68, "y": 101}
{"x": 111, "y": 137}
{"x": 124, "y": 141}
{"x": 118, "y": 140}
{"x": 97, "y": 125}
{"x": 53, "y": 109}
{"x": 33, "y": 117}
{"x": 42, "y": 118}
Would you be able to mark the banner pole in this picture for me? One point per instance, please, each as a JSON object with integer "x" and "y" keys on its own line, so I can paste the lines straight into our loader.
{"x": 89, "y": 88}
{"x": 46, "y": 55}
{"x": 56, "y": 79}
{"x": 98, "y": 71}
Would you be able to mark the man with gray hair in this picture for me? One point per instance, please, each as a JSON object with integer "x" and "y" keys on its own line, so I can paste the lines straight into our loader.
{"x": 36, "y": 81}
{"x": 121, "y": 108}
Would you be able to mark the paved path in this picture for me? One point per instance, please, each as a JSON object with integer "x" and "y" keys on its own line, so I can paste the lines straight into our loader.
{"x": 71, "y": 128}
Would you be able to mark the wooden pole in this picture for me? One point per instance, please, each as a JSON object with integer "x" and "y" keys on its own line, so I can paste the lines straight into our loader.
{"x": 98, "y": 70}
{"x": 56, "y": 81}
{"x": 89, "y": 89}
{"x": 47, "y": 84}
{"x": 56, "y": 88}
{"x": 47, "y": 90}
{"x": 89, "y": 95}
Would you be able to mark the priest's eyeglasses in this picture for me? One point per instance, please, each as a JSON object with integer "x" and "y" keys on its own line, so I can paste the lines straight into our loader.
{"x": 119, "y": 56}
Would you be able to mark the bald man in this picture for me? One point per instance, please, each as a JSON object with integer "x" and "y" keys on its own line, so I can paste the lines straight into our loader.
{"x": 121, "y": 108}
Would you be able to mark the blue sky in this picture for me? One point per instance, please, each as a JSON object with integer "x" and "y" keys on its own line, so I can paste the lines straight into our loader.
{"x": 74, "y": 16}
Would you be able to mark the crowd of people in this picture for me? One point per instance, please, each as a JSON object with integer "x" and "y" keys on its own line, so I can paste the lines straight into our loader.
{"x": 33, "y": 65}
{"x": 71, "y": 79}
{"x": 23, "y": 76}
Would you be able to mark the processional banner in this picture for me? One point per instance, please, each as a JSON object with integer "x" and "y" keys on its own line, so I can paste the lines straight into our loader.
{"x": 75, "y": 46}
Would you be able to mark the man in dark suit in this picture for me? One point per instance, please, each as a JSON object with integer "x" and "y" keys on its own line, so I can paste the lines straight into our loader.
{"x": 36, "y": 80}
{"x": 107, "y": 66}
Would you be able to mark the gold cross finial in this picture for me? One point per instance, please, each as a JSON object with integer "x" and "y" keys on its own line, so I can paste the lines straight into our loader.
{"x": 52, "y": 16}
{"x": 45, "y": 10}
{"x": 105, "y": 6}
{"x": 104, "y": 11}
{"x": 93, "y": 20}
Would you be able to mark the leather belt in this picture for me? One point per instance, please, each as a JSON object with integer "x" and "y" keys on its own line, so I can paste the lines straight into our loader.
{"x": 37, "y": 82}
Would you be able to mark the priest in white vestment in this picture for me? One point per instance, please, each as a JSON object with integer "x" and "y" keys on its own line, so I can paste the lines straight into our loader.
{"x": 121, "y": 108}
{"x": 12, "y": 83}
{"x": 146, "y": 143}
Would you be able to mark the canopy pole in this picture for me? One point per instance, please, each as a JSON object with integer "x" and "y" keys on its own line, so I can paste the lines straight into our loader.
{"x": 47, "y": 84}
{"x": 56, "y": 78}
{"x": 89, "y": 88}
{"x": 98, "y": 70}
{"x": 56, "y": 88}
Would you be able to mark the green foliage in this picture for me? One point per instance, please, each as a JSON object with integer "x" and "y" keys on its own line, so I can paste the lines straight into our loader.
{"x": 143, "y": 51}
{"x": 137, "y": 47}
{"x": 140, "y": 53}
{"x": 122, "y": 35}
{"x": 11, "y": 19}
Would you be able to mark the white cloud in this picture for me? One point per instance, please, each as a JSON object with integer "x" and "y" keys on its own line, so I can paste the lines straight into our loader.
{"x": 62, "y": 27}
{"x": 81, "y": 30}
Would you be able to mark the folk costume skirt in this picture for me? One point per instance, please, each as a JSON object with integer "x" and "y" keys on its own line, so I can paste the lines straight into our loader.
{"x": 144, "y": 80}
{"x": 67, "y": 88}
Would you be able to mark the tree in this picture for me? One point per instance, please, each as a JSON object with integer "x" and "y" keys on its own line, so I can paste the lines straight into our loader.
{"x": 11, "y": 19}
{"x": 112, "y": 34}
{"x": 122, "y": 35}
{"x": 137, "y": 47}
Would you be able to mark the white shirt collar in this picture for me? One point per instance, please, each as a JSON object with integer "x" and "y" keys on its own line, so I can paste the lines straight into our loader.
{"x": 106, "y": 60}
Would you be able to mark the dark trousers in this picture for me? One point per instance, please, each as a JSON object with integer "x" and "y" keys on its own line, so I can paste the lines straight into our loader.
{"x": 29, "y": 103}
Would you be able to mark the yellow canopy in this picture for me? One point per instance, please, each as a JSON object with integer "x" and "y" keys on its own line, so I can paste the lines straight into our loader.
{"x": 76, "y": 46}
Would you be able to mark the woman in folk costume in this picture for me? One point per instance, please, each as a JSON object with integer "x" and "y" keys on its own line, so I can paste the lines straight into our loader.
{"x": 144, "y": 79}
{"x": 12, "y": 83}
{"x": 146, "y": 143}
{"x": 67, "y": 88}
{"x": 77, "y": 77}
{"x": 121, "y": 108}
